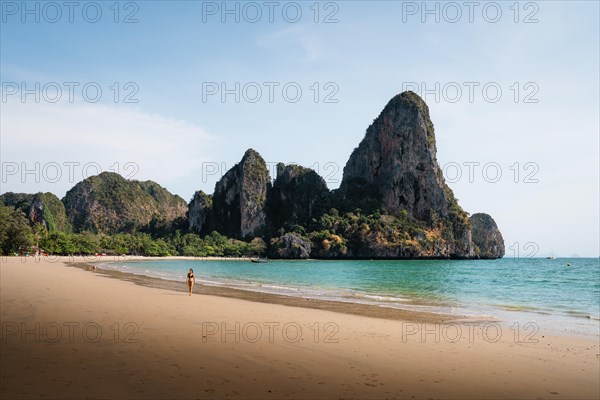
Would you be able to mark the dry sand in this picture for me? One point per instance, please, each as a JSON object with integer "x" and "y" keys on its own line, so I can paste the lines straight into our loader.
{"x": 68, "y": 333}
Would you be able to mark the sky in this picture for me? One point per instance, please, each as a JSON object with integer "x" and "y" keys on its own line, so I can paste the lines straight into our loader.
{"x": 177, "y": 91}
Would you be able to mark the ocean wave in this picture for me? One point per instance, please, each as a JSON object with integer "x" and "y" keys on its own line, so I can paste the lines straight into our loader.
{"x": 136, "y": 271}
{"x": 269, "y": 286}
{"x": 381, "y": 297}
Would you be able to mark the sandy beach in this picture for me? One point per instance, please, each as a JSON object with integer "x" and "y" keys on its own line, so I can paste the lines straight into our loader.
{"x": 69, "y": 333}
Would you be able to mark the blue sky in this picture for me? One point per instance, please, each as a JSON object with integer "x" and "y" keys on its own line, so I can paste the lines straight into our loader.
{"x": 541, "y": 133}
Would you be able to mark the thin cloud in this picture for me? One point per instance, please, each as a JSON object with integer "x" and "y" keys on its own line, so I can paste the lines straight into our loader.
{"x": 163, "y": 148}
{"x": 294, "y": 37}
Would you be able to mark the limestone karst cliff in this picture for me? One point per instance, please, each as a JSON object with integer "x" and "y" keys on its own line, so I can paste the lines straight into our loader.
{"x": 43, "y": 208}
{"x": 200, "y": 212}
{"x": 109, "y": 203}
{"x": 395, "y": 167}
{"x": 486, "y": 236}
{"x": 393, "y": 202}
{"x": 240, "y": 198}
{"x": 298, "y": 195}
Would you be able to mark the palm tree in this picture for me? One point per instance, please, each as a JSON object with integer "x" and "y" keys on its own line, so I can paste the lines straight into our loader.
{"x": 39, "y": 232}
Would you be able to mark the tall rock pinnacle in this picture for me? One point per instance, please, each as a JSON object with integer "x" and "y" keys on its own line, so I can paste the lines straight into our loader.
{"x": 395, "y": 166}
{"x": 239, "y": 201}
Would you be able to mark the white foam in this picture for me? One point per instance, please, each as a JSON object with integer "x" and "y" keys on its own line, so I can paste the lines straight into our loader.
{"x": 384, "y": 298}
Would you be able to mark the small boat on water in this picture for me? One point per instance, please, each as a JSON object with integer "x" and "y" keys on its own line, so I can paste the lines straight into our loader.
{"x": 259, "y": 260}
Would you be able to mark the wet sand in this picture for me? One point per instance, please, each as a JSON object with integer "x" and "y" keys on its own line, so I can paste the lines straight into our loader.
{"x": 261, "y": 297}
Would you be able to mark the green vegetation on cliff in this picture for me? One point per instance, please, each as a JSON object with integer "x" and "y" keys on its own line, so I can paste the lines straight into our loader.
{"x": 109, "y": 203}
{"x": 44, "y": 208}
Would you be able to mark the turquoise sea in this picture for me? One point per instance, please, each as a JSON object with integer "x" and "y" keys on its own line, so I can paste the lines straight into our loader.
{"x": 557, "y": 295}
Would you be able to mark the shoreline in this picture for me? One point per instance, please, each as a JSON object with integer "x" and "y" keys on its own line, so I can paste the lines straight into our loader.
{"x": 366, "y": 310}
{"x": 583, "y": 326}
{"x": 118, "y": 339}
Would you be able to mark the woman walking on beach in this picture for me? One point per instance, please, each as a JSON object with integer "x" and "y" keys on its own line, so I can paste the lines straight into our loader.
{"x": 191, "y": 279}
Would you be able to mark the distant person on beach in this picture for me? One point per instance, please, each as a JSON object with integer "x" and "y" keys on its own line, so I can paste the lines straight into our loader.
{"x": 191, "y": 279}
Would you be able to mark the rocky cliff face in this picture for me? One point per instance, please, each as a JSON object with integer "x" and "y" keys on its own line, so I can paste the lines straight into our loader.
{"x": 290, "y": 245}
{"x": 200, "y": 213}
{"x": 395, "y": 169}
{"x": 486, "y": 237}
{"x": 44, "y": 208}
{"x": 240, "y": 197}
{"x": 298, "y": 195}
{"x": 108, "y": 203}
{"x": 170, "y": 207}
{"x": 395, "y": 166}
{"x": 393, "y": 201}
